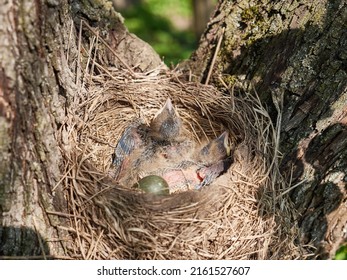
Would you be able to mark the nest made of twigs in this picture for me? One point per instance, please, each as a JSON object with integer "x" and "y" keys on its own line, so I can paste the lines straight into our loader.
{"x": 242, "y": 215}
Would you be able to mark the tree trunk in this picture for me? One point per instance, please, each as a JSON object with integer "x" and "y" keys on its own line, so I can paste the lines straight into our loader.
{"x": 294, "y": 54}
{"x": 202, "y": 10}
{"x": 38, "y": 83}
{"x": 32, "y": 109}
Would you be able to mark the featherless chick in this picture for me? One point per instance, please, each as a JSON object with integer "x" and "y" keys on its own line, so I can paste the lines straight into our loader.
{"x": 130, "y": 146}
{"x": 166, "y": 126}
{"x": 216, "y": 150}
{"x": 215, "y": 158}
{"x": 163, "y": 149}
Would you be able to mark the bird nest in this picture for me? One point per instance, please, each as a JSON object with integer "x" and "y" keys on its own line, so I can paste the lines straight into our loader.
{"x": 243, "y": 214}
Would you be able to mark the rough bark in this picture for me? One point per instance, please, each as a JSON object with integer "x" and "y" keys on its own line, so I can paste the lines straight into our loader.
{"x": 31, "y": 110}
{"x": 293, "y": 52}
{"x": 289, "y": 50}
{"x": 38, "y": 82}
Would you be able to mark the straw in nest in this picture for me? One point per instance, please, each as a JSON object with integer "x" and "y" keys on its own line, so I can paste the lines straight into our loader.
{"x": 244, "y": 214}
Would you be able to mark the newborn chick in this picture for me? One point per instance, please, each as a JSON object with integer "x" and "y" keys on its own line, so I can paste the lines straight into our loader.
{"x": 167, "y": 145}
{"x": 129, "y": 147}
{"x": 209, "y": 173}
{"x": 166, "y": 125}
{"x": 216, "y": 150}
{"x": 215, "y": 158}
{"x": 142, "y": 148}
{"x": 184, "y": 170}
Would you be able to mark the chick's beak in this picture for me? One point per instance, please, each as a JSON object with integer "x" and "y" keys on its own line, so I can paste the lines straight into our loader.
{"x": 223, "y": 143}
{"x": 166, "y": 124}
{"x": 166, "y": 110}
{"x": 168, "y": 105}
{"x": 216, "y": 150}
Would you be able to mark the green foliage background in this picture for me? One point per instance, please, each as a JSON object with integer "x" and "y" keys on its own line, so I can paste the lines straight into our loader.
{"x": 341, "y": 253}
{"x": 149, "y": 21}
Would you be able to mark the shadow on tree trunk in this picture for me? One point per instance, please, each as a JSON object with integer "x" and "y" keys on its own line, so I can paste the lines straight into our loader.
{"x": 22, "y": 243}
{"x": 307, "y": 67}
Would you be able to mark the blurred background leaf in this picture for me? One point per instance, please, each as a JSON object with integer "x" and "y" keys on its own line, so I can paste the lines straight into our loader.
{"x": 171, "y": 27}
{"x": 341, "y": 253}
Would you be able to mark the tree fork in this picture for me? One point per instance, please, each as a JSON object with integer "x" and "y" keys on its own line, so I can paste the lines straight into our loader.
{"x": 286, "y": 49}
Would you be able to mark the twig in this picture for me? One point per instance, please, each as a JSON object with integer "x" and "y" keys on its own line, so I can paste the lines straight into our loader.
{"x": 215, "y": 57}
{"x": 291, "y": 188}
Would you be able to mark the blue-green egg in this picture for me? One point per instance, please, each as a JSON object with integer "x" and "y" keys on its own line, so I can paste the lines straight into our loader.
{"x": 153, "y": 184}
